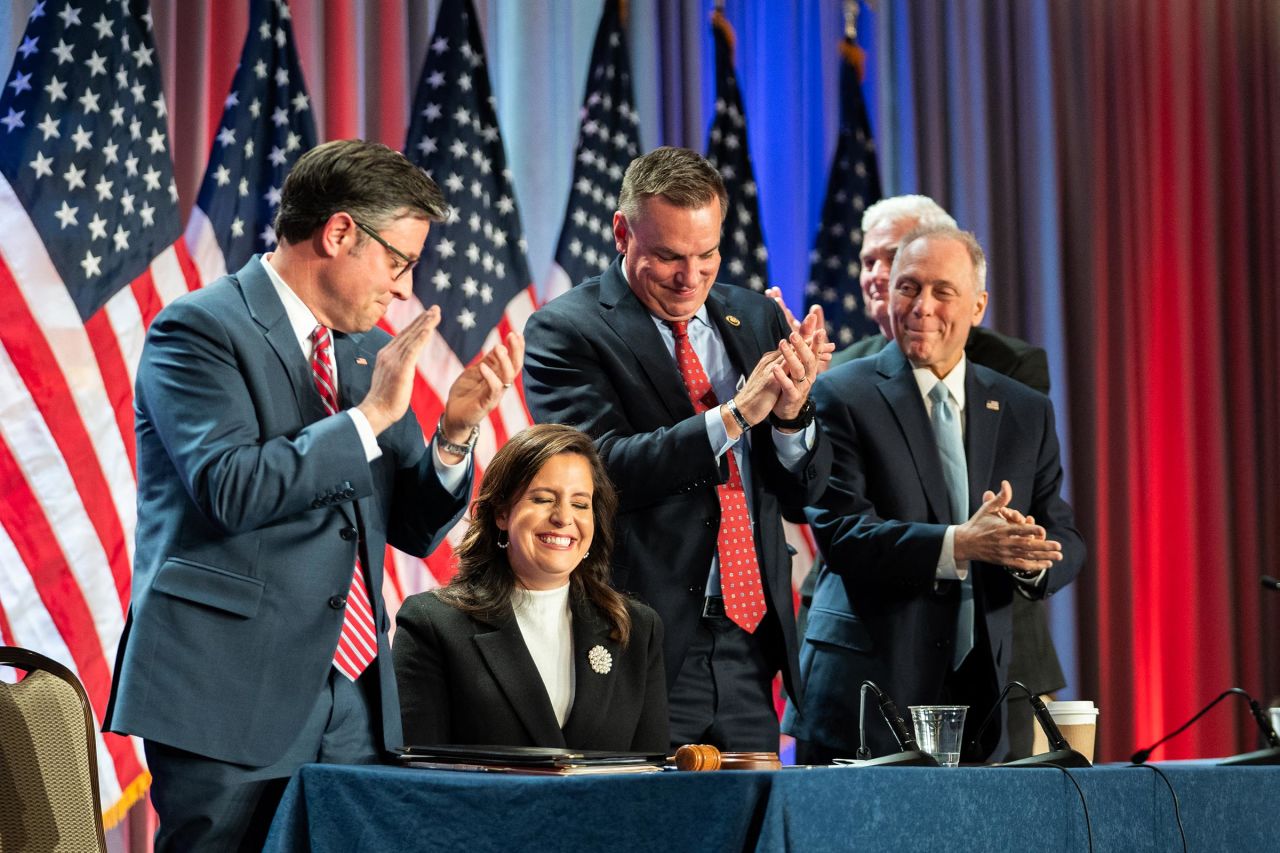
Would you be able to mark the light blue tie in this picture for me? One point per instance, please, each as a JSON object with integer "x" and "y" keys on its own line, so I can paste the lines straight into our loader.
{"x": 946, "y": 430}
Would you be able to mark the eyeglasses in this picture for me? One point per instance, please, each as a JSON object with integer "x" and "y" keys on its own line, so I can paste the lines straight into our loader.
{"x": 409, "y": 263}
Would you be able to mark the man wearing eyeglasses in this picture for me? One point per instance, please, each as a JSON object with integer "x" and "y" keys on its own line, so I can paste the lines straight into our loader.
{"x": 277, "y": 458}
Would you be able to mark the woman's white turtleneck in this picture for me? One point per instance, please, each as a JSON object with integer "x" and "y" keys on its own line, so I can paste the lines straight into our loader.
{"x": 546, "y": 623}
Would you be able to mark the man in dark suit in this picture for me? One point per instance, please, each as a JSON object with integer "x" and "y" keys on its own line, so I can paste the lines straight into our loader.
{"x": 276, "y": 460}
{"x": 675, "y": 376}
{"x": 943, "y": 505}
{"x": 884, "y": 224}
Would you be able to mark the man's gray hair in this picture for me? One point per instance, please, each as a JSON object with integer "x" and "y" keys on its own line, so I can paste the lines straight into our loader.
{"x": 947, "y": 232}
{"x": 923, "y": 210}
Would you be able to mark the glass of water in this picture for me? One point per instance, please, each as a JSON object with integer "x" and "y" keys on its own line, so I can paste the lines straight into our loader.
{"x": 939, "y": 729}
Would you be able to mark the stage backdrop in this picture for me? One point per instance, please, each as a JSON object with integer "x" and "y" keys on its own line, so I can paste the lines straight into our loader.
{"x": 1118, "y": 160}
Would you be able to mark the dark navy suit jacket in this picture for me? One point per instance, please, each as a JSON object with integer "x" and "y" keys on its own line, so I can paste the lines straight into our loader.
{"x": 596, "y": 361}
{"x": 251, "y": 507}
{"x": 878, "y": 612}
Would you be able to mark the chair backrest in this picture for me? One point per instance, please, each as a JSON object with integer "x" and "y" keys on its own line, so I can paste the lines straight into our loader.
{"x": 48, "y": 762}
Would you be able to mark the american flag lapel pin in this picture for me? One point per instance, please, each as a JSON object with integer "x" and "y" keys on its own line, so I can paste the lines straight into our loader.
{"x": 993, "y": 405}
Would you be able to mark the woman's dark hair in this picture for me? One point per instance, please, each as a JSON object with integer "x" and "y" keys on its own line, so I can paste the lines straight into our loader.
{"x": 373, "y": 183}
{"x": 485, "y": 579}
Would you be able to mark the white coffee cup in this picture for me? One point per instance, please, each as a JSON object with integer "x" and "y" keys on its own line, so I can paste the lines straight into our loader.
{"x": 1078, "y": 722}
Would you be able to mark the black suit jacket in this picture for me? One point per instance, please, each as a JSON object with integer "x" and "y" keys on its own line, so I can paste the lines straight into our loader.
{"x": 878, "y": 613}
{"x": 467, "y": 681}
{"x": 595, "y": 360}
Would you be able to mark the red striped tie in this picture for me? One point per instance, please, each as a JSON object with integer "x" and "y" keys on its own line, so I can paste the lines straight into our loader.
{"x": 358, "y": 644}
{"x": 739, "y": 569}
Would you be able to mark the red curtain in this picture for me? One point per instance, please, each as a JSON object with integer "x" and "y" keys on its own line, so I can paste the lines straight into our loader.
{"x": 356, "y": 55}
{"x": 1170, "y": 145}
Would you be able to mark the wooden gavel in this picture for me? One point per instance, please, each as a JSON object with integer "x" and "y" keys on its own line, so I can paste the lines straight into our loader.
{"x": 701, "y": 756}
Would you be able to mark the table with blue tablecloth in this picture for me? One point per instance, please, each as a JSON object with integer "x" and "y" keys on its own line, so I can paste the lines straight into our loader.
{"x": 1130, "y": 809}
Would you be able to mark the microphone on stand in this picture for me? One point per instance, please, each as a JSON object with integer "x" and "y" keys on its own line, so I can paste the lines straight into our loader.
{"x": 1060, "y": 752}
{"x": 909, "y": 753}
{"x": 1268, "y": 755}
{"x": 1270, "y": 583}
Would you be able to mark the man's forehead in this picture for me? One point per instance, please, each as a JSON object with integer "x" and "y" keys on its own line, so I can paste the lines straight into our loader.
{"x": 887, "y": 234}
{"x": 935, "y": 259}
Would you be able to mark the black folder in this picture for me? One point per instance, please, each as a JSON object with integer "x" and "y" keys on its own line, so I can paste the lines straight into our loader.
{"x": 530, "y": 759}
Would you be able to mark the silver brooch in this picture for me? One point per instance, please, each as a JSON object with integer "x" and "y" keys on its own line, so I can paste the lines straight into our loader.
{"x": 600, "y": 659}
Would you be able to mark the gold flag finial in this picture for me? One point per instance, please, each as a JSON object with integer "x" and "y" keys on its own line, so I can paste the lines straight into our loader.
{"x": 851, "y": 20}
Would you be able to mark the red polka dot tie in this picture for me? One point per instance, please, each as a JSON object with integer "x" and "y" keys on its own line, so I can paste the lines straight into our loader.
{"x": 735, "y": 544}
{"x": 358, "y": 643}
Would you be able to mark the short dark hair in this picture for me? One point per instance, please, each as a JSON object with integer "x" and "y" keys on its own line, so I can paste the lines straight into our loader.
{"x": 372, "y": 182}
{"x": 683, "y": 177}
{"x": 485, "y": 579}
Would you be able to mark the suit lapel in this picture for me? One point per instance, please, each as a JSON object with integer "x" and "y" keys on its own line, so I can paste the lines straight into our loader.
{"x": 268, "y": 312}
{"x": 899, "y": 389}
{"x": 511, "y": 665}
{"x": 982, "y": 426}
{"x": 740, "y": 340}
{"x": 635, "y": 328}
{"x": 592, "y": 690}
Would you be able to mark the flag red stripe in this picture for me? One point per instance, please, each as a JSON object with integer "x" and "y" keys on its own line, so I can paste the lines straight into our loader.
{"x": 115, "y": 380}
{"x": 441, "y": 563}
{"x": 148, "y": 299}
{"x": 39, "y": 371}
{"x": 28, "y": 528}
{"x": 189, "y": 270}
{"x": 390, "y": 573}
{"x": 427, "y": 405}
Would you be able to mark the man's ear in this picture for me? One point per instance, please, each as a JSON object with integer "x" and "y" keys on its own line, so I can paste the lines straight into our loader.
{"x": 620, "y": 232}
{"x": 980, "y": 307}
{"x": 339, "y": 228}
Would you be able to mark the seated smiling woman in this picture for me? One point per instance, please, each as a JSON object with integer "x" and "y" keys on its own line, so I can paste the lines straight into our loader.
{"x": 529, "y": 645}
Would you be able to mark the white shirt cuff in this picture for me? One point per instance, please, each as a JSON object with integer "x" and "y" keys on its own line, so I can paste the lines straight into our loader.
{"x": 370, "y": 441}
{"x": 948, "y": 569}
{"x": 717, "y": 433}
{"x": 452, "y": 475}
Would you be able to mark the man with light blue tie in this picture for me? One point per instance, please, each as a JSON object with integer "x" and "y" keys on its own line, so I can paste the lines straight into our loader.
{"x": 944, "y": 500}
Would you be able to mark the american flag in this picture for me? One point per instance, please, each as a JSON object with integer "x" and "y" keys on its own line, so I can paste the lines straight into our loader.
{"x": 854, "y": 183}
{"x": 90, "y": 251}
{"x": 743, "y": 256}
{"x": 266, "y": 125}
{"x": 608, "y": 140}
{"x": 473, "y": 264}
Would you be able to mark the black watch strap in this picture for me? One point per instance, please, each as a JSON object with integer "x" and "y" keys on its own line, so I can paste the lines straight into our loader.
{"x": 800, "y": 421}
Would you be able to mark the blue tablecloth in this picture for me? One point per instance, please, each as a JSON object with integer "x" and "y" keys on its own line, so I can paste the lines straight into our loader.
{"x": 874, "y": 808}
{"x": 330, "y": 808}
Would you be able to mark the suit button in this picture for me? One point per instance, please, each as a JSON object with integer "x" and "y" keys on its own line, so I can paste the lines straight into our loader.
{"x": 337, "y": 602}
{"x": 347, "y": 533}
{"x": 348, "y": 493}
